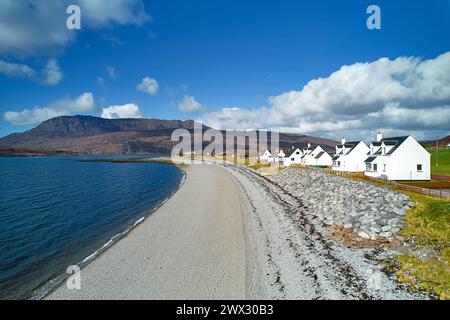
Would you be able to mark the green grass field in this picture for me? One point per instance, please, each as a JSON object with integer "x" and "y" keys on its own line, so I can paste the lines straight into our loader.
{"x": 443, "y": 157}
{"x": 429, "y": 224}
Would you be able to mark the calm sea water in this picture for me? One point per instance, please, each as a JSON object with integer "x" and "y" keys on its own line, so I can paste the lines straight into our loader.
{"x": 56, "y": 211}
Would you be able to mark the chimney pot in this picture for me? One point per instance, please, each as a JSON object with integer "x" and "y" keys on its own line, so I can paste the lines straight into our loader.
{"x": 379, "y": 136}
{"x": 343, "y": 141}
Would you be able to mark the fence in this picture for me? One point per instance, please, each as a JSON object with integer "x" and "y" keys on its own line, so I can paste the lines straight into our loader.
{"x": 439, "y": 177}
{"x": 425, "y": 191}
{"x": 443, "y": 194}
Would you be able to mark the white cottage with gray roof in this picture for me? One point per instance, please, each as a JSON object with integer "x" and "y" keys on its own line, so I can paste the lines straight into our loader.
{"x": 350, "y": 156}
{"x": 397, "y": 158}
{"x": 294, "y": 157}
{"x": 316, "y": 157}
{"x": 266, "y": 156}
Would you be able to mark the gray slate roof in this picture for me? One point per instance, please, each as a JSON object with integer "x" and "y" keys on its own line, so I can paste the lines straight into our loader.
{"x": 370, "y": 159}
{"x": 319, "y": 155}
{"x": 350, "y": 144}
{"x": 392, "y": 141}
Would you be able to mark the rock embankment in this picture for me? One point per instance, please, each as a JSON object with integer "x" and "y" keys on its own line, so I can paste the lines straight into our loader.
{"x": 369, "y": 210}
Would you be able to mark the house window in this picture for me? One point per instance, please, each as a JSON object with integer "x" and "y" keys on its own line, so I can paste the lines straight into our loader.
{"x": 292, "y": 159}
{"x": 298, "y": 152}
{"x": 419, "y": 168}
{"x": 375, "y": 167}
{"x": 367, "y": 166}
{"x": 339, "y": 163}
{"x": 384, "y": 167}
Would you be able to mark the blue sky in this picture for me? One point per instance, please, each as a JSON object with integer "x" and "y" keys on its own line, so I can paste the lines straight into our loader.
{"x": 240, "y": 64}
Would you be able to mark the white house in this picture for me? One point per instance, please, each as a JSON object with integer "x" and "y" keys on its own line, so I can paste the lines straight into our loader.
{"x": 306, "y": 158}
{"x": 295, "y": 157}
{"x": 398, "y": 158}
{"x": 316, "y": 157}
{"x": 320, "y": 157}
{"x": 448, "y": 146}
{"x": 267, "y": 156}
{"x": 350, "y": 156}
{"x": 280, "y": 156}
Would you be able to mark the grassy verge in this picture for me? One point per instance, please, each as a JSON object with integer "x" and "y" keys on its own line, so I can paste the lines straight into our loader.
{"x": 427, "y": 228}
{"x": 258, "y": 166}
{"x": 443, "y": 159}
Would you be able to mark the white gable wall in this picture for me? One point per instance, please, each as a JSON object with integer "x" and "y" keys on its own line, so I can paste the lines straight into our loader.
{"x": 354, "y": 161}
{"x": 383, "y": 167}
{"x": 403, "y": 162}
{"x": 294, "y": 158}
{"x": 311, "y": 160}
{"x": 324, "y": 160}
{"x": 267, "y": 156}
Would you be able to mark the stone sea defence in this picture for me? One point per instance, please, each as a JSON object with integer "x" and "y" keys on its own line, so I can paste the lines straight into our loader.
{"x": 370, "y": 210}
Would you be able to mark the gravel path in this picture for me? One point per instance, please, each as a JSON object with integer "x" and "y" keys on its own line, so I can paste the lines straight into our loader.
{"x": 291, "y": 256}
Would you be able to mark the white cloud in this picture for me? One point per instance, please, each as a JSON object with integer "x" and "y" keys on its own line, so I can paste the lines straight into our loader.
{"x": 111, "y": 72}
{"x": 35, "y": 27}
{"x": 16, "y": 70}
{"x": 52, "y": 73}
{"x": 190, "y": 105}
{"x": 101, "y": 81}
{"x": 104, "y": 13}
{"x": 111, "y": 39}
{"x": 36, "y": 115}
{"x": 129, "y": 110}
{"x": 149, "y": 86}
{"x": 407, "y": 94}
{"x": 83, "y": 103}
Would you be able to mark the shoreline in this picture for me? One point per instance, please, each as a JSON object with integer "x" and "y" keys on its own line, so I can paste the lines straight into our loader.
{"x": 230, "y": 233}
{"x": 47, "y": 288}
{"x": 209, "y": 273}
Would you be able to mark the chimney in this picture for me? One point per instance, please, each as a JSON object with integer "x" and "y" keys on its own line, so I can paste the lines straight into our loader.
{"x": 379, "y": 136}
{"x": 343, "y": 141}
{"x": 309, "y": 145}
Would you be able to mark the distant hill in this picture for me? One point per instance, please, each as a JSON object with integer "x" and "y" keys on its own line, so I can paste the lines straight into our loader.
{"x": 441, "y": 142}
{"x": 93, "y": 135}
{"x": 15, "y": 152}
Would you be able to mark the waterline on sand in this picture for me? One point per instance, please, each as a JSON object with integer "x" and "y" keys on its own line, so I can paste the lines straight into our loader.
{"x": 47, "y": 287}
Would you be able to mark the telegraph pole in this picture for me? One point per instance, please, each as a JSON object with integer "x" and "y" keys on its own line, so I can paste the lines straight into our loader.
{"x": 437, "y": 156}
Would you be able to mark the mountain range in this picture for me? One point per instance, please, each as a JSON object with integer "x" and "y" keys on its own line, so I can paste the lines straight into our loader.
{"x": 93, "y": 135}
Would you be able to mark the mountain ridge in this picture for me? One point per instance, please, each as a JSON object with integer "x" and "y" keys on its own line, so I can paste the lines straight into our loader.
{"x": 94, "y": 135}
